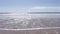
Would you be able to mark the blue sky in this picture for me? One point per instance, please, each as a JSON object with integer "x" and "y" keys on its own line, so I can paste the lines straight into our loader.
{"x": 29, "y": 5}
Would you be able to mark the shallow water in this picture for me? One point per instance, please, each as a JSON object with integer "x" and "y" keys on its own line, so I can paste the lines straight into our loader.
{"x": 23, "y": 22}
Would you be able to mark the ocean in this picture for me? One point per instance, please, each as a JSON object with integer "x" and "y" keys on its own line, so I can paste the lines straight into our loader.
{"x": 25, "y": 20}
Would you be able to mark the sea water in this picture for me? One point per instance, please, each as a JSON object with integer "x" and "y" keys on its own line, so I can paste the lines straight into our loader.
{"x": 22, "y": 21}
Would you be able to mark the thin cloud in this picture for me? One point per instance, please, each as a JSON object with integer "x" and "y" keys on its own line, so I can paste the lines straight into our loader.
{"x": 45, "y": 9}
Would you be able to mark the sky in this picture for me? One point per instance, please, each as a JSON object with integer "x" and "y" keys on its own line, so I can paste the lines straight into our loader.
{"x": 29, "y": 5}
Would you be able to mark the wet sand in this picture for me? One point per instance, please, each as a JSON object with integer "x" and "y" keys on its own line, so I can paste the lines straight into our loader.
{"x": 40, "y": 31}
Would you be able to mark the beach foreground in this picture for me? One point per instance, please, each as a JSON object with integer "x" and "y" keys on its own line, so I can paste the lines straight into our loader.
{"x": 39, "y": 31}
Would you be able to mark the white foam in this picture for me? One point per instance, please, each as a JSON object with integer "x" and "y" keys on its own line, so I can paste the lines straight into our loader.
{"x": 32, "y": 28}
